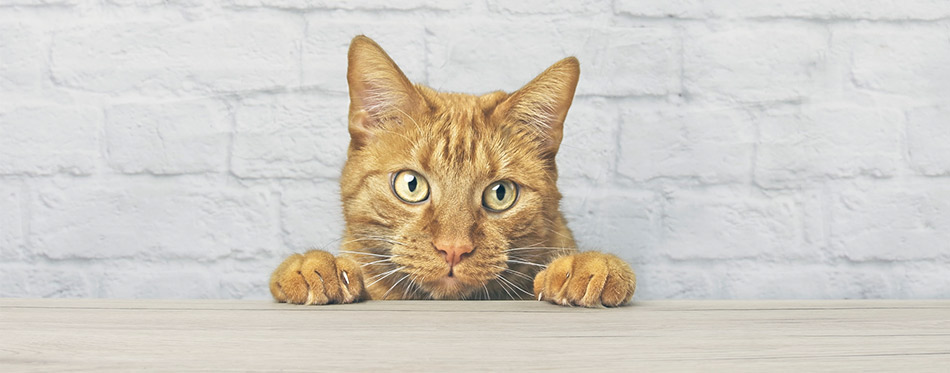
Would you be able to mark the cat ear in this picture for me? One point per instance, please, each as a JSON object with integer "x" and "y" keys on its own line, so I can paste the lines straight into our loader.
{"x": 379, "y": 92}
{"x": 541, "y": 105}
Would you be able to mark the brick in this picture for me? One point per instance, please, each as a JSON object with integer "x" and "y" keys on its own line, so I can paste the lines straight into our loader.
{"x": 248, "y": 285}
{"x": 353, "y": 4}
{"x": 730, "y": 224}
{"x": 900, "y": 222}
{"x": 672, "y": 8}
{"x": 589, "y": 146}
{"x": 43, "y": 281}
{"x": 312, "y": 216}
{"x": 290, "y": 136}
{"x": 138, "y": 281}
{"x": 183, "y": 137}
{"x": 659, "y": 280}
{"x": 467, "y": 57}
{"x": 36, "y": 2}
{"x": 743, "y": 61}
{"x": 817, "y": 9}
{"x": 11, "y": 222}
{"x": 550, "y": 7}
{"x": 806, "y": 281}
{"x": 928, "y": 138}
{"x": 21, "y": 60}
{"x": 712, "y": 145}
{"x": 905, "y": 59}
{"x": 187, "y": 4}
{"x": 818, "y": 143}
{"x": 327, "y": 41}
{"x": 834, "y": 9}
{"x": 203, "y": 56}
{"x": 156, "y": 219}
{"x": 43, "y": 140}
{"x": 922, "y": 280}
{"x": 623, "y": 222}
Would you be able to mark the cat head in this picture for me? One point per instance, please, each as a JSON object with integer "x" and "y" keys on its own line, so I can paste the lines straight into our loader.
{"x": 440, "y": 186}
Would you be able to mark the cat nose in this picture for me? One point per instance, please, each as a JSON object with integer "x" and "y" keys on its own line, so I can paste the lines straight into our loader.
{"x": 454, "y": 251}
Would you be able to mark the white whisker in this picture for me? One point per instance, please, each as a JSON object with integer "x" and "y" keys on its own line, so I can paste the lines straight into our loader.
{"x": 377, "y": 262}
{"x": 394, "y": 286}
{"x": 377, "y": 238}
{"x": 520, "y": 274}
{"x": 549, "y": 221}
{"x": 528, "y": 263}
{"x": 362, "y": 253}
{"x": 505, "y": 288}
{"x": 384, "y": 275}
{"x": 516, "y": 273}
{"x": 405, "y": 293}
{"x": 515, "y": 285}
{"x": 539, "y": 248}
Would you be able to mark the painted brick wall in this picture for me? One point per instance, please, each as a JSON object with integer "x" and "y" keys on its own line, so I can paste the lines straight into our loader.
{"x": 728, "y": 149}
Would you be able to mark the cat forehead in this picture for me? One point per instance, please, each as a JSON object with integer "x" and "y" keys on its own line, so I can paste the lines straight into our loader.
{"x": 460, "y": 104}
{"x": 462, "y": 154}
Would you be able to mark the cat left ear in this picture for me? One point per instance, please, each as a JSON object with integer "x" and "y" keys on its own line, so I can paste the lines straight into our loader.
{"x": 541, "y": 105}
{"x": 379, "y": 91}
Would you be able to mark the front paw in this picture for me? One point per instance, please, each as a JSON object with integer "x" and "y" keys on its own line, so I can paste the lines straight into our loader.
{"x": 589, "y": 279}
{"x": 317, "y": 277}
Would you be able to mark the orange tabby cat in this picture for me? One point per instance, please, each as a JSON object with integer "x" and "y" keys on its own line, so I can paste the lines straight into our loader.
{"x": 453, "y": 196}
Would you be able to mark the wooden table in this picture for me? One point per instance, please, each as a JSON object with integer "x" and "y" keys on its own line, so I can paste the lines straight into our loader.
{"x": 722, "y": 336}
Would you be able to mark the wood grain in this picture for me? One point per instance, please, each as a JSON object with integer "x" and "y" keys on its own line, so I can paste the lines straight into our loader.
{"x": 153, "y": 335}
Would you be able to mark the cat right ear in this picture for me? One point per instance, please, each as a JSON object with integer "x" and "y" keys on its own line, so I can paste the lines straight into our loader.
{"x": 541, "y": 106}
{"x": 380, "y": 93}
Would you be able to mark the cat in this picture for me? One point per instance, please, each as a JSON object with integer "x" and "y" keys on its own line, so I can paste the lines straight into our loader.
{"x": 453, "y": 196}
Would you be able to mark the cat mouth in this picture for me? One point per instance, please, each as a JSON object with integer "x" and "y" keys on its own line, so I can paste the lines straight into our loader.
{"x": 450, "y": 281}
{"x": 449, "y": 287}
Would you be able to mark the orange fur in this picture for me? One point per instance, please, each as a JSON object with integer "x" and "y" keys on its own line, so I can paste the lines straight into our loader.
{"x": 460, "y": 144}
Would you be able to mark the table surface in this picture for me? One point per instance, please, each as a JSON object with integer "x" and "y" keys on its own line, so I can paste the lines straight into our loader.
{"x": 218, "y": 335}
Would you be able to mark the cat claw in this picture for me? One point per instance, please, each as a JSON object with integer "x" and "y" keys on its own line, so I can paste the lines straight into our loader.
{"x": 541, "y": 294}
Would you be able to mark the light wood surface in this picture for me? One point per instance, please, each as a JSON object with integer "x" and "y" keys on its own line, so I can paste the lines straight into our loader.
{"x": 721, "y": 336}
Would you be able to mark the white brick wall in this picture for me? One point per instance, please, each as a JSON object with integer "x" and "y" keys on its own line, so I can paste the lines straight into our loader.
{"x": 728, "y": 149}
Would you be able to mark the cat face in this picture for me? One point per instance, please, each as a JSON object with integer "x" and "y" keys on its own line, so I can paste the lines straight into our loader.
{"x": 439, "y": 187}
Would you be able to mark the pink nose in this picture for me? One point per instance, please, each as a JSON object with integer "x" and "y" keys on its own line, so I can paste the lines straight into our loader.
{"x": 454, "y": 251}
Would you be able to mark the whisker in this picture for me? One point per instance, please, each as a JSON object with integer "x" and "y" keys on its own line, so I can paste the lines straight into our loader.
{"x": 552, "y": 222}
{"x": 538, "y": 248}
{"x": 520, "y": 274}
{"x": 487, "y": 295}
{"x": 377, "y": 262}
{"x": 325, "y": 247}
{"x": 516, "y": 286}
{"x": 516, "y": 273}
{"x": 412, "y": 282}
{"x": 394, "y": 286}
{"x": 362, "y": 253}
{"x": 377, "y": 238}
{"x": 528, "y": 263}
{"x": 384, "y": 275}
{"x": 505, "y": 288}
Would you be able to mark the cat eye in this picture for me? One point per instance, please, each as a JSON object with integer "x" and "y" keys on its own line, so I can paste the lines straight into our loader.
{"x": 410, "y": 187}
{"x": 500, "y": 196}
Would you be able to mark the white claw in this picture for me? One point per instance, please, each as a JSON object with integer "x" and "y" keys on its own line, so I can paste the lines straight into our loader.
{"x": 346, "y": 279}
{"x": 309, "y": 298}
{"x": 540, "y": 294}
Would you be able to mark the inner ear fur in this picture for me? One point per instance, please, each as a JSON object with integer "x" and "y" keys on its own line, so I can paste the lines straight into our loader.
{"x": 541, "y": 105}
{"x": 379, "y": 91}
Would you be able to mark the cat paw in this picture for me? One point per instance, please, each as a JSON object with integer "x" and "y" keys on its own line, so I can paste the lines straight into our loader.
{"x": 316, "y": 277}
{"x": 589, "y": 279}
